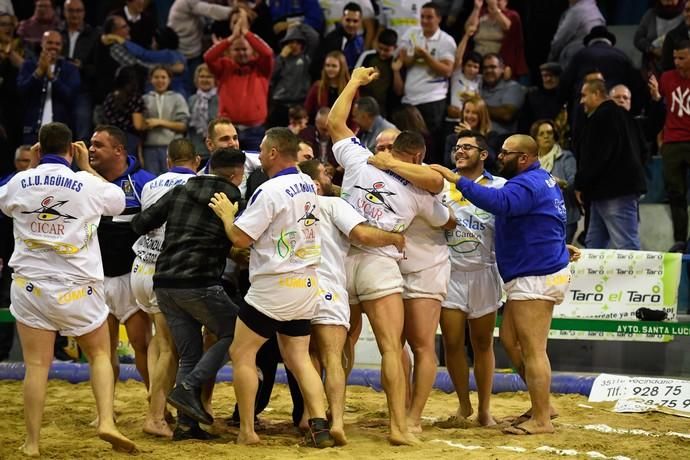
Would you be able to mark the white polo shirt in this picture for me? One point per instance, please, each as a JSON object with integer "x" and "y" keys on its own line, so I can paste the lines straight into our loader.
{"x": 421, "y": 84}
{"x": 386, "y": 200}
{"x": 471, "y": 242}
{"x": 55, "y": 214}
{"x": 148, "y": 247}
{"x": 338, "y": 219}
{"x": 282, "y": 217}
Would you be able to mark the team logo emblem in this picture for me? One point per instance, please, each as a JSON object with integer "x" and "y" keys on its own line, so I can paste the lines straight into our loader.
{"x": 49, "y": 210}
{"x": 309, "y": 218}
{"x": 376, "y": 195}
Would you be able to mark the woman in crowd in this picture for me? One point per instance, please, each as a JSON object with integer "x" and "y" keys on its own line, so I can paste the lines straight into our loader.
{"x": 203, "y": 107}
{"x": 475, "y": 117}
{"x": 562, "y": 166}
{"x": 334, "y": 77}
{"x": 167, "y": 114}
{"x": 124, "y": 106}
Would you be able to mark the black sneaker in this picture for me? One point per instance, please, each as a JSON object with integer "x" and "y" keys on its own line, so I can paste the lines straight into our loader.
{"x": 184, "y": 432}
{"x": 318, "y": 435}
{"x": 188, "y": 401}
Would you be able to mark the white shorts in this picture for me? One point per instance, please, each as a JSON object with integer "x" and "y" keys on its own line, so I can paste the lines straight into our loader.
{"x": 430, "y": 283}
{"x": 141, "y": 281}
{"x": 371, "y": 276}
{"x": 333, "y": 307}
{"x": 286, "y": 297}
{"x": 546, "y": 287}
{"x": 477, "y": 293}
{"x": 119, "y": 298}
{"x": 71, "y": 309}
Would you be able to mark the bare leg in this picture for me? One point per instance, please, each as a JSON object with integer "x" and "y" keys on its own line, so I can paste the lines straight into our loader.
{"x": 386, "y": 318}
{"x": 331, "y": 340}
{"x": 246, "y": 381}
{"x": 453, "y": 333}
{"x": 352, "y": 337}
{"x": 96, "y": 347}
{"x": 532, "y": 319}
{"x": 138, "y": 328}
{"x": 37, "y": 348}
{"x": 482, "y": 337}
{"x": 162, "y": 379}
{"x": 114, "y": 333}
{"x": 421, "y": 321}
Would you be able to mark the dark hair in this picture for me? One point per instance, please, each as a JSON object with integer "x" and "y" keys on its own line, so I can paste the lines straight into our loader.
{"x": 409, "y": 142}
{"x": 388, "y": 37}
{"x": 166, "y": 38}
{"x": 479, "y": 137}
{"x": 116, "y": 134}
{"x": 109, "y": 23}
{"x": 310, "y": 168}
{"x": 408, "y": 117}
{"x": 227, "y": 158}
{"x": 596, "y": 86}
{"x": 352, "y": 6}
{"x": 216, "y": 121}
{"x": 474, "y": 57}
{"x": 368, "y": 105}
{"x": 55, "y": 138}
{"x": 493, "y": 55}
{"x": 284, "y": 141}
{"x": 127, "y": 85}
{"x": 296, "y": 112}
{"x": 434, "y": 6}
{"x": 166, "y": 69}
{"x": 534, "y": 129}
{"x": 681, "y": 45}
{"x": 181, "y": 151}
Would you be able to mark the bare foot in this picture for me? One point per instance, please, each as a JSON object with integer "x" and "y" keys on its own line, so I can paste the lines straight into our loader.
{"x": 119, "y": 442}
{"x": 338, "y": 434}
{"x": 248, "y": 439}
{"x": 157, "y": 428}
{"x": 486, "y": 419}
{"x": 529, "y": 427}
{"x": 454, "y": 421}
{"x": 29, "y": 451}
{"x": 403, "y": 439}
{"x": 303, "y": 425}
{"x": 414, "y": 426}
{"x": 522, "y": 418}
{"x": 464, "y": 412}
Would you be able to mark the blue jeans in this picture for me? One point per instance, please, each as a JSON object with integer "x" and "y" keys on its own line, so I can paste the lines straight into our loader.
{"x": 156, "y": 159}
{"x": 614, "y": 223}
{"x": 250, "y": 138}
{"x": 186, "y": 310}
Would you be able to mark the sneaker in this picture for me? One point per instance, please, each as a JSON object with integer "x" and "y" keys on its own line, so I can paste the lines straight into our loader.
{"x": 188, "y": 401}
{"x": 678, "y": 246}
{"x": 184, "y": 432}
{"x": 318, "y": 435}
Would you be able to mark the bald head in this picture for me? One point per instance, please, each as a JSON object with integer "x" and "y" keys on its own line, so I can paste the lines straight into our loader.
{"x": 385, "y": 139}
{"x": 525, "y": 144}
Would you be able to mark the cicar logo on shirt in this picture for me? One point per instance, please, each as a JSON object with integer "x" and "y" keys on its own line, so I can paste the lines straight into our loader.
{"x": 374, "y": 200}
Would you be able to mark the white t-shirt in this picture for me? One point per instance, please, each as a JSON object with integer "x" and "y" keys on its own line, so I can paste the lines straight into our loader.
{"x": 386, "y": 200}
{"x": 333, "y": 11}
{"x": 282, "y": 217}
{"x": 400, "y": 15}
{"x": 471, "y": 243}
{"x": 425, "y": 246}
{"x": 148, "y": 247}
{"x": 461, "y": 88}
{"x": 55, "y": 214}
{"x": 338, "y": 219}
{"x": 421, "y": 84}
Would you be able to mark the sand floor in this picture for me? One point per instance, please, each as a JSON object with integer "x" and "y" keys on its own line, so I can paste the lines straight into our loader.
{"x": 66, "y": 433}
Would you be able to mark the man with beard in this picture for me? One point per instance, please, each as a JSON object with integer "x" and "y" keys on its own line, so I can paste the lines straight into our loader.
{"x": 530, "y": 219}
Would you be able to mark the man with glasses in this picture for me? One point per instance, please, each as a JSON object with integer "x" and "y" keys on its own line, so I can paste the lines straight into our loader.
{"x": 530, "y": 220}
{"x": 475, "y": 288}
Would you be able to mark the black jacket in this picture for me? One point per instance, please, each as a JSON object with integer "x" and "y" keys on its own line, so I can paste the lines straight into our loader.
{"x": 196, "y": 246}
{"x": 610, "y": 151}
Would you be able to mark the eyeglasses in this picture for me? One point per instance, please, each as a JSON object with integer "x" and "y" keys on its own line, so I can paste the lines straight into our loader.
{"x": 465, "y": 147}
{"x": 505, "y": 152}
{"x": 384, "y": 147}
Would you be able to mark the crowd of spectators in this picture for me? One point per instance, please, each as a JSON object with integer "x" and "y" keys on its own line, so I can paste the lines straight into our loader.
{"x": 161, "y": 69}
